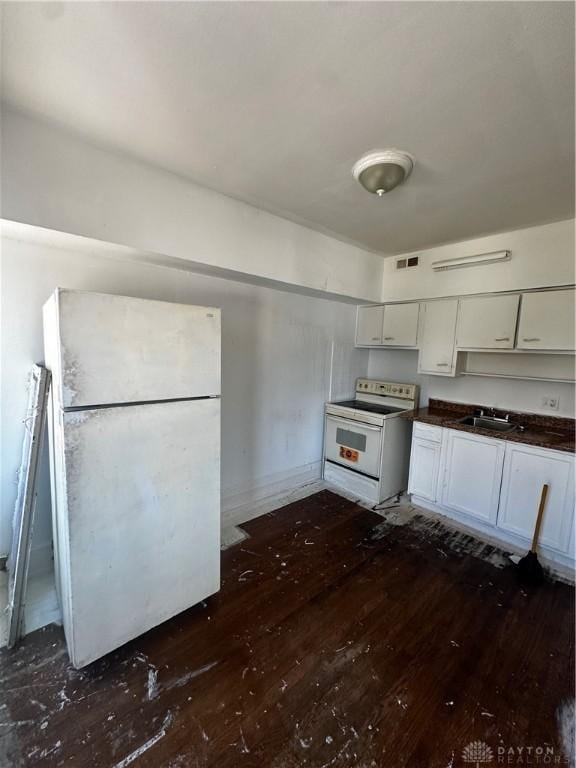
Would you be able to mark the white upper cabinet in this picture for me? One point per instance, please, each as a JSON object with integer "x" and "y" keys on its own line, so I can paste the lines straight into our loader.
{"x": 438, "y": 328}
{"x": 472, "y": 474}
{"x": 400, "y": 325}
{"x": 437, "y": 337}
{"x": 487, "y": 322}
{"x": 369, "y": 322}
{"x": 391, "y": 325}
{"x": 547, "y": 320}
{"x": 526, "y": 470}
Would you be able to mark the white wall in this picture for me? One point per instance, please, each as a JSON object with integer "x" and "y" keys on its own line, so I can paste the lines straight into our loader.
{"x": 53, "y": 179}
{"x": 514, "y": 394}
{"x": 283, "y": 355}
{"x": 541, "y": 256}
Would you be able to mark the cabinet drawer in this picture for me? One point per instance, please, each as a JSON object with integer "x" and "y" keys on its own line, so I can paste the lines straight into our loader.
{"x": 427, "y": 432}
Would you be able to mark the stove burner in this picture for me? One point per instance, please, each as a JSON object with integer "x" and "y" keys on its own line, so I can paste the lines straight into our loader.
{"x": 361, "y": 405}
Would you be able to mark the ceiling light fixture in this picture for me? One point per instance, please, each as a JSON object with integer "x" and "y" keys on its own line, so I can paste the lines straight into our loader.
{"x": 383, "y": 170}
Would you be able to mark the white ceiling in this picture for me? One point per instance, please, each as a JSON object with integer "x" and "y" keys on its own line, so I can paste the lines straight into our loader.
{"x": 272, "y": 103}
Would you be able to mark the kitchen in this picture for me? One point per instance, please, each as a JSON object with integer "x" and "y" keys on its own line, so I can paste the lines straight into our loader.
{"x": 397, "y": 379}
{"x": 489, "y": 481}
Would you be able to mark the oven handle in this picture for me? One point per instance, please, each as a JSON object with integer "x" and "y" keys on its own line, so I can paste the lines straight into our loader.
{"x": 357, "y": 424}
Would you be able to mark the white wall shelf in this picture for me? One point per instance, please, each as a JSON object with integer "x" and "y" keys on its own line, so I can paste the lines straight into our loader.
{"x": 517, "y": 376}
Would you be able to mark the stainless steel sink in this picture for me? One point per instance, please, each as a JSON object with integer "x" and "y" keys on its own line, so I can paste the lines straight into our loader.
{"x": 488, "y": 422}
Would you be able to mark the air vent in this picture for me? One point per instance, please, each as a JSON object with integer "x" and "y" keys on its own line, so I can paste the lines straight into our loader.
{"x": 411, "y": 261}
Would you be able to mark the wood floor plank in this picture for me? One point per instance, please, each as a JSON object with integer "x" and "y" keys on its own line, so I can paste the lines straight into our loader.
{"x": 336, "y": 640}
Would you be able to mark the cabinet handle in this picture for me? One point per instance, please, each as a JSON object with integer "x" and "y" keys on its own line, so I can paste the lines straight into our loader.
{"x": 388, "y": 338}
{"x": 505, "y": 338}
{"x": 442, "y": 365}
{"x": 375, "y": 338}
{"x": 534, "y": 339}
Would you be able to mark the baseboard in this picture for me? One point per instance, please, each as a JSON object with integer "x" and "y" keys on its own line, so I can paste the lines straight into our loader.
{"x": 232, "y": 535}
{"x": 273, "y": 491}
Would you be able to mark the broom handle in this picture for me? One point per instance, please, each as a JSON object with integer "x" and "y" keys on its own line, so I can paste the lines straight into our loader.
{"x": 543, "y": 496}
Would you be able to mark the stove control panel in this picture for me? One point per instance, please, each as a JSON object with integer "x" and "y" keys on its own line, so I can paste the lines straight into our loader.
{"x": 387, "y": 388}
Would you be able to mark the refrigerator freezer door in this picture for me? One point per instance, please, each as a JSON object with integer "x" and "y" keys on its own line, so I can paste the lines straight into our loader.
{"x": 138, "y": 515}
{"x": 105, "y": 349}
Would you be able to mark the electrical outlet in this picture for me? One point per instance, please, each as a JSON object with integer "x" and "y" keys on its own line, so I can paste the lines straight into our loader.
{"x": 550, "y": 403}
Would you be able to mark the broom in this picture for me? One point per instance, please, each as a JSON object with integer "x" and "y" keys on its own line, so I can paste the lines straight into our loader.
{"x": 529, "y": 569}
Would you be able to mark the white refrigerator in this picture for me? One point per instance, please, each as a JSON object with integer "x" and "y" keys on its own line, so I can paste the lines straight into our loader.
{"x": 135, "y": 463}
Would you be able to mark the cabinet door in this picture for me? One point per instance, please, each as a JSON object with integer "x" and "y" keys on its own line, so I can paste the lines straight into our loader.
{"x": 437, "y": 337}
{"x": 547, "y": 320}
{"x": 472, "y": 474}
{"x": 400, "y": 325}
{"x": 369, "y": 326}
{"x": 526, "y": 469}
{"x": 487, "y": 322}
{"x": 424, "y": 468}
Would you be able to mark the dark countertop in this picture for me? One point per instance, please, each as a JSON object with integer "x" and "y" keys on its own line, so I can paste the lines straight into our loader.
{"x": 542, "y": 431}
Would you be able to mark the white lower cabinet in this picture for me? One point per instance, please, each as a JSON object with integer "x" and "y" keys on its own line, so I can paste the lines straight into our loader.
{"x": 498, "y": 483}
{"x": 424, "y": 468}
{"x": 526, "y": 470}
{"x": 472, "y": 473}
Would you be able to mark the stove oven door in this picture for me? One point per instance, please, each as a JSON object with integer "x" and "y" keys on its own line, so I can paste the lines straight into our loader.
{"x": 353, "y": 444}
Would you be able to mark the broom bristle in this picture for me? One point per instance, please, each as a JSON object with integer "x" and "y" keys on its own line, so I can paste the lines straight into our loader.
{"x": 529, "y": 570}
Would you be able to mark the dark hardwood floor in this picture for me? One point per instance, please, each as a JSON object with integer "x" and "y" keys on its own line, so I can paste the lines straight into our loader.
{"x": 336, "y": 641}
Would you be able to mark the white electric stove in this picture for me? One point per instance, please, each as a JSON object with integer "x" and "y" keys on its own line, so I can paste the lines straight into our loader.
{"x": 366, "y": 444}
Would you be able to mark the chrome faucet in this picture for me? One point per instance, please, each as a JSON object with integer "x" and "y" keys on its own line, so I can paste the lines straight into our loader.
{"x": 490, "y": 413}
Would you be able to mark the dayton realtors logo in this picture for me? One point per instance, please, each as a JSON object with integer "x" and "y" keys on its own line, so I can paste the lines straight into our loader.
{"x": 479, "y": 754}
